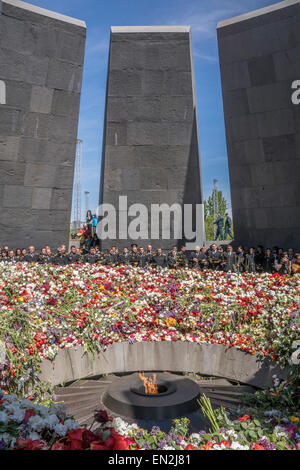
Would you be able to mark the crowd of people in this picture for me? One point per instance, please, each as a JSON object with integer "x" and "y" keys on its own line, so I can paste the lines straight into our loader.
{"x": 219, "y": 258}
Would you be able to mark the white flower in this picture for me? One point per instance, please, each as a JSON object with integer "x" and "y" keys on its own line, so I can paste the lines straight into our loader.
{"x": 71, "y": 424}
{"x": 61, "y": 429}
{"x": 237, "y": 446}
{"x": 37, "y": 423}
{"x": 51, "y": 421}
{"x": 3, "y": 417}
{"x": 34, "y": 436}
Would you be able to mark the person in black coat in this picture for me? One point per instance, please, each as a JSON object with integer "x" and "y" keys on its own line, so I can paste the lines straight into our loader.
{"x": 32, "y": 256}
{"x": 230, "y": 259}
{"x": 160, "y": 259}
{"x": 73, "y": 256}
{"x": 268, "y": 262}
{"x": 219, "y": 222}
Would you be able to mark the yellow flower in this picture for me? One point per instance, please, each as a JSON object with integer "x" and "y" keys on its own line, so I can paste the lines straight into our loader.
{"x": 295, "y": 419}
{"x": 21, "y": 299}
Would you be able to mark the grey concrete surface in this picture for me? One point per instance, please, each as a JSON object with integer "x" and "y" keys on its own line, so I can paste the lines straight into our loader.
{"x": 259, "y": 60}
{"x": 150, "y": 142}
{"x": 41, "y": 62}
{"x": 207, "y": 359}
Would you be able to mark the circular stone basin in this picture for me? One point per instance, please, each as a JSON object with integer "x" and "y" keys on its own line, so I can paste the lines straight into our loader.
{"x": 176, "y": 397}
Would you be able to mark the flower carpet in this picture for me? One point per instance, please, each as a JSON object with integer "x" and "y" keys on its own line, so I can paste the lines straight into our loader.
{"x": 46, "y": 308}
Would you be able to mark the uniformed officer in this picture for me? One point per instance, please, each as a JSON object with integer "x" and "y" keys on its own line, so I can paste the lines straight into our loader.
{"x": 195, "y": 257}
{"x": 134, "y": 256}
{"x": 73, "y": 256}
{"x": 42, "y": 256}
{"x": 142, "y": 258}
{"x": 230, "y": 260}
{"x": 219, "y": 222}
{"x": 227, "y": 230}
{"x": 111, "y": 259}
{"x": 173, "y": 259}
{"x": 150, "y": 254}
{"x": 91, "y": 257}
{"x": 183, "y": 261}
{"x": 125, "y": 258}
{"x": 241, "y": 260}
{"x": 32, "y": 256}
{"x": 250, "y": 261}
{"x": 60, "y": 259}
{"x": 214, "y": 257}
{"x": 160, "y": 259}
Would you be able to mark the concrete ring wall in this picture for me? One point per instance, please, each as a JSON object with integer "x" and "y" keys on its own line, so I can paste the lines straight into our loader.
{"x": 207, "y": 359}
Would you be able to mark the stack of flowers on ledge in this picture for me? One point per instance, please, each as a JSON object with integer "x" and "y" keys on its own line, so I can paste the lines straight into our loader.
{"x": 47, "y": 308}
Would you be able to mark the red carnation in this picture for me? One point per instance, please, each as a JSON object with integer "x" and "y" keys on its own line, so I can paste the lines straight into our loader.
{"x": 243, "y": 418}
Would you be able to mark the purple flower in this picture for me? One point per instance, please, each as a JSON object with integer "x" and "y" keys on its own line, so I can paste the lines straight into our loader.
{"x": 155, "y": 430}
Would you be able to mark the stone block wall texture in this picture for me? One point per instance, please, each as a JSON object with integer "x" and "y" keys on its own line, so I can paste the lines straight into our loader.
{"x": 41, "y": 62}
{"x": 150, "y": 144}
{"x": 259, "y": 59}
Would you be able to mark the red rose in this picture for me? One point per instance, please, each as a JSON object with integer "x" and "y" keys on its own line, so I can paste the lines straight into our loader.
{"x": 59, "y": 446}
{"x": 28, "y": 414}
{"x": 76, "y": 434}
{"x": 102, "y": 417}
{"x": 97, "y": 446}
{"x": 189, "y": 447}
{"x": 28, "y": 444}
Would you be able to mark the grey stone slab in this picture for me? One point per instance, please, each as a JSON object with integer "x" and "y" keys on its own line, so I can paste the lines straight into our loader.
{"x": 242, "y": 128}
{"x": 286, "y": 64}
{"x": 61, "y": 199}
{"x": 32, "y": 150}
{"x": 35, "y": 125}
{"x": 41, "y": 198}
{"x": 124, "y": 83}
{"x": 276, "y": 123}
{"x": 18, "y": 94}
{"x": 280, "y": 148}
{"x": 10, "y": 121}
{"x": 17, "y": 196}
{"x": 40, "y": 175}
{"x": 9, "y": 148}
{"x": 23, "y": 67}
{"x": 11, "y": 173}
{"x": 263, "y": 146}
{"x": 262, "y": 70}
{"x": 65, "y": 103}
{"x": 150, "y": 132}
{"x": 235, "y": 75}
{"x": 41, "y": 99}
{"x": 269, "y": 97}
{"x": 63, "y": 75}
{"x": 236, "y": 102}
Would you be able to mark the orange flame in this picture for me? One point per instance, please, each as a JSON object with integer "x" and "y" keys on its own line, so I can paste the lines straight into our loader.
{"x": 149, "y": 384}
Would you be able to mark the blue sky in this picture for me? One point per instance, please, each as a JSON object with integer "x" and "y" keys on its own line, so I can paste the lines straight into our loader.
{"x": 203, "y": 16}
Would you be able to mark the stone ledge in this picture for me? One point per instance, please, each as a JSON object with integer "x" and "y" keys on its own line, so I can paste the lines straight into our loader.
{"x": 207, "y": 359}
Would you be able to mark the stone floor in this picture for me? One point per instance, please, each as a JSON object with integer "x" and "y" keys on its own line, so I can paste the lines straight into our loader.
{"x": 83, "y": 397}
